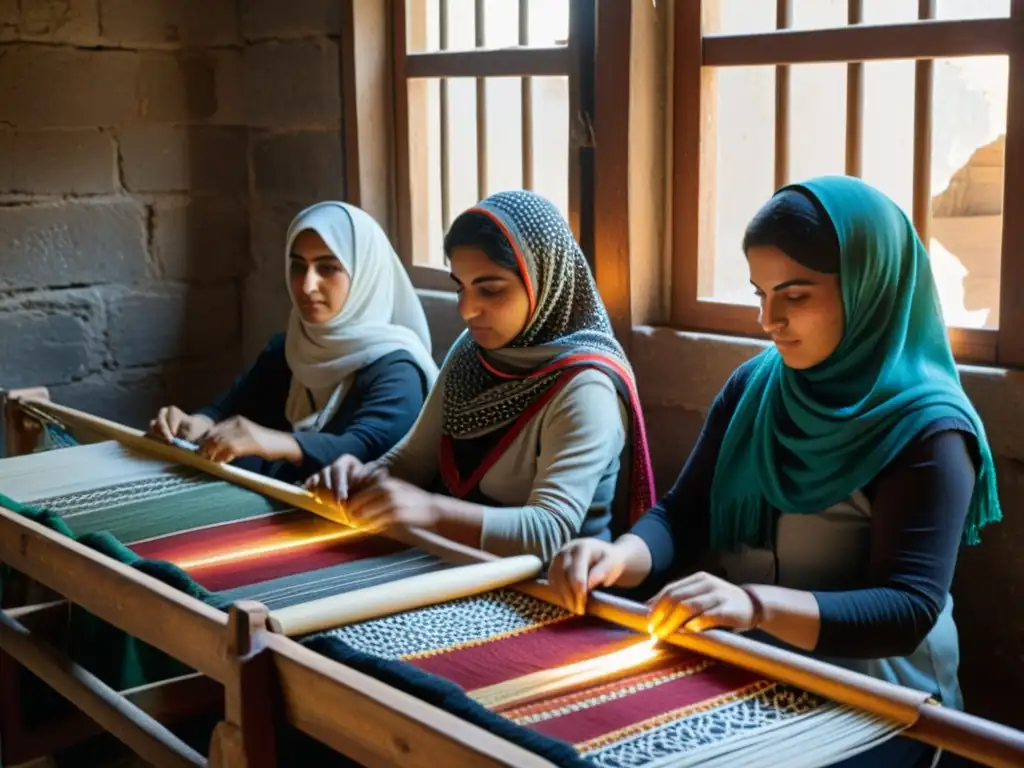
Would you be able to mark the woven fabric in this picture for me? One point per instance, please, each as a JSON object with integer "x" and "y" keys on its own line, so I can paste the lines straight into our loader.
{"x": 680, "y": 709}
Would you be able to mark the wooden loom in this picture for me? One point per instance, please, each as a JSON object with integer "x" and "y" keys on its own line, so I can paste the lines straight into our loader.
{"x": 240, "y": 652}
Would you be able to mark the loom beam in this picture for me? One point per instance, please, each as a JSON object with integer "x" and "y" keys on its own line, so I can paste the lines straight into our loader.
{"x": 151, "y": 740}
{"x": 403, "y": 595}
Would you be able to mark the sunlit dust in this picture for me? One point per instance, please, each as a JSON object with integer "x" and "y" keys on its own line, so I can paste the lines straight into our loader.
{"x": 583, "y": 673}
{"x": 271, "y": 548}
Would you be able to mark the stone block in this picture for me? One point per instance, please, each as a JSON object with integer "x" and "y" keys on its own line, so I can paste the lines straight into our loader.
{"x": 77, "y": 162}
{"x": 50, "y": 338}
{"x": 262, "y": 19}
{"x": 51, "y": 21}
{"x": 170, "y": 22}
{"x": 268, "y": 227}
{"x": 292, "y": 83}
{"x": 127, "y": 397}
{"x": 265, "y": 310}
{"x": 177, "y": 158}
{"x": 153, "y": 326}
{"x": 47, "y": 86}
{"x": 177, "y": 87}
{"x": 201, "y": 240}
{"x": 303, "y": 166}
{"x": 72, "y": 243}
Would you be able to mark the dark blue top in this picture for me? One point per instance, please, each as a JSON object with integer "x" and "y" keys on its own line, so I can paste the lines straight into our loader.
{"x": 380, "y": 407}
{"x": 918, "y": 506}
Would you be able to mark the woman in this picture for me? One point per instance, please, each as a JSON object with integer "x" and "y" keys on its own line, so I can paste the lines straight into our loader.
{"x": 350, "y": 375}
{"x": 526, "y": 424}
{"x": 837, "y": 472}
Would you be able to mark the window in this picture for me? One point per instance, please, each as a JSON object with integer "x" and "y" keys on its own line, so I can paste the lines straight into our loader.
{"x": 921, "y": 98}
{"x": 484, "y": 90}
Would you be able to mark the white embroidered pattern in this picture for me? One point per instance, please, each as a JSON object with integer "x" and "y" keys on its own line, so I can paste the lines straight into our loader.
{"x": 443, "y": 626}
{"x": 85, "y": 502}
{"x": 770, "y": 706}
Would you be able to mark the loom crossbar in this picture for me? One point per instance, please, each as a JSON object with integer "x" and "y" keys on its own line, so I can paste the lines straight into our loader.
{"x": 393, "y": 727}
{"x": 115, "y": 713}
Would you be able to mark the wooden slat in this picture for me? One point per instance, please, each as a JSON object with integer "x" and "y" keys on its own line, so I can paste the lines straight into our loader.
{"x": 144, "y": 735}
{"x": 167, "y": 702}
{"x": 611, "y": 158}
{"x": 142, "y": 606}
{"x": 526, "y": 88}
{"x": 687, "y": 105}
{"x": 497, "y": 62}
{"x": 915, "y": 40}
{"x": 445, "y": 127}
{"x": 411, "y": 213}
{"x": 1011, "y": 274}
{"x": 582, "y": 96}
{"x": 923, "y": 98}
{"x": 393, "y": 728}
{"x": 855, "y": 101}
{"x": 479, "y": 22}
{"x": 367, "y": 122}
{"x": 783, "y": 20}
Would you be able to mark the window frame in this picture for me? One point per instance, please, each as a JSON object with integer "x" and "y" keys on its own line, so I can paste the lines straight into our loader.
{"x": 696, "y": 54}
{"x": 411, "y": 69}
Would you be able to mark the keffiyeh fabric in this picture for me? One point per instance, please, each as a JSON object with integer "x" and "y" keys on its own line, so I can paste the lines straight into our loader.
{"x": 568, "y": 328}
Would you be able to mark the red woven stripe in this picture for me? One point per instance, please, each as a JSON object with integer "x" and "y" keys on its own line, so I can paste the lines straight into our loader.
{"x": 546, "y": 647}
{"x": 232, "y": 537}
{"x": 601, "y": 719}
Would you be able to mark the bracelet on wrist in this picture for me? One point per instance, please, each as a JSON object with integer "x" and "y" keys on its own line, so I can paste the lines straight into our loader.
{"x": 757, "y": 604}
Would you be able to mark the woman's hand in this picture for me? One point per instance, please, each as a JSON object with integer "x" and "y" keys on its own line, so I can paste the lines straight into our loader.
{"x": 583, "y": 565}
{"x": 238, "y": 436}
{"x": 388, "y": 501}
{"x": 698, "y": 602}
{"x": 171, "y": 422}
{"x": 343, "y": 478}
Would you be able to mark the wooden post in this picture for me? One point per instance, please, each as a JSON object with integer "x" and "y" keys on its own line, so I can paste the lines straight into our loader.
{"x": 246, "y": 737}
{"x": 21, "y": 431}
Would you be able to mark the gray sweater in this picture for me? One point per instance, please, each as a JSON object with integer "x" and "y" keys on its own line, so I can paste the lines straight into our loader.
{"x": 556, "y": 480}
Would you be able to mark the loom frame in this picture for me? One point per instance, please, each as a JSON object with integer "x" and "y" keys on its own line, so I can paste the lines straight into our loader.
{"x": 267, "y": 676}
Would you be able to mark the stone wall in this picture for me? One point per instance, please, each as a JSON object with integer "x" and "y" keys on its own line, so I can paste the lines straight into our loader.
{"x": 152, "y": 153}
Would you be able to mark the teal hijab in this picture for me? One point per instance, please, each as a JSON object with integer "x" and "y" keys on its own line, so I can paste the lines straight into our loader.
{"x": 801, "y": 441}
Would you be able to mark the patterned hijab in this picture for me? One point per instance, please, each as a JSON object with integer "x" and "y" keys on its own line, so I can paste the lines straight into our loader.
{"x": 568, "y": 328}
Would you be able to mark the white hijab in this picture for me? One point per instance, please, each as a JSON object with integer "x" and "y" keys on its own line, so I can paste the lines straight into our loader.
{"x": 382, "y": 314}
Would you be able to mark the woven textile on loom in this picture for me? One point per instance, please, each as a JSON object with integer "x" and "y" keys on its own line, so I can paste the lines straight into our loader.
{"x": 578, "y": 690}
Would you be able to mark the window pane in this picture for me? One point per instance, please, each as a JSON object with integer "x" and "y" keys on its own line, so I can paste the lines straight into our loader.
{"x": 460, "y": 160}
{"x": 744, "y": 125}
{"x": 422, "y": 25}
{"x": 888, "y": 141}
{"x": 504, "y": 133}
{"x": 550, "y": 132}
{"x": 968, "y": 155}
{"x": 425, "y": 171}
{"x": 971, "y": 9}
{"x": 889, "y": 11}
{"x": 819, "y": 14}
{"x": 739, "y": 17}
{"x": 501, "y": 23}
{"x": 817, "y": 120}
{"x": 548, "y": 22}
